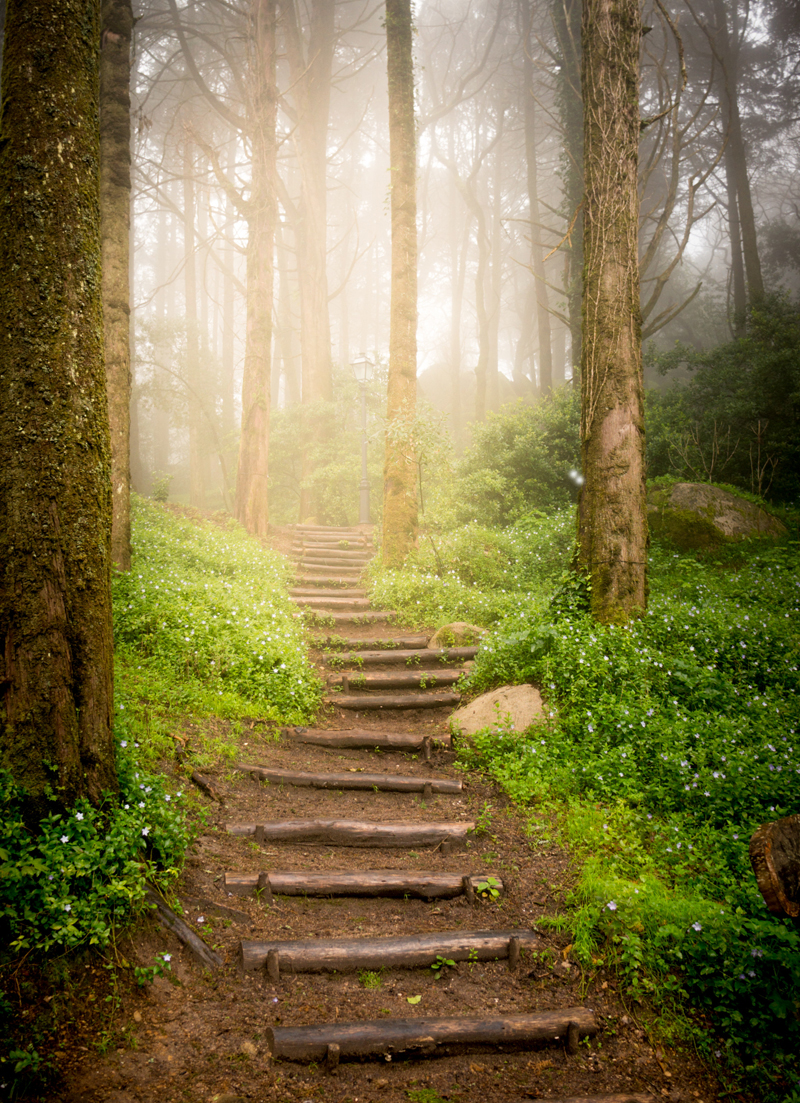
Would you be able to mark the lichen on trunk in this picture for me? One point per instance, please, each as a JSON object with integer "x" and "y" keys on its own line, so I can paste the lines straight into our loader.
{"x": 55, "y": 489}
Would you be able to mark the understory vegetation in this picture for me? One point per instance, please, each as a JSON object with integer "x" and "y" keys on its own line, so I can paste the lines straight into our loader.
{"x": 666, "y": 744}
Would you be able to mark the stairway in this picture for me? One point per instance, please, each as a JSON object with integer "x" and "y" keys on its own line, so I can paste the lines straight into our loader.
{"x": 404, "y": 810}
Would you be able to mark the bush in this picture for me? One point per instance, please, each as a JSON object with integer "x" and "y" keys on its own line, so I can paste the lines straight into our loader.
{"x": 520, "y": 460}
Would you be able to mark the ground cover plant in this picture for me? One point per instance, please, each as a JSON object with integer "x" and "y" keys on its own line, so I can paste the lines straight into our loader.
{"x": 669, "y": 742}
{"x": 203, "y": 626}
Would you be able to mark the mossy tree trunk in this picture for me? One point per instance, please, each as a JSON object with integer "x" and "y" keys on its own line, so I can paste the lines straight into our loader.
{"x": 612, "y": 513}
{"x": 115, "y": 205}
{"x": 251, "y": 481}
{"x": 400, "y": 468}
{"x": 55, "y": 488}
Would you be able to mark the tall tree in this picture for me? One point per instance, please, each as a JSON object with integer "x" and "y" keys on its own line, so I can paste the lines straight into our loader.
{"x": 400, "y": 469}
{"x": 252, "y": 507}
{"x": 55, "y": 489}
{"x": 115, "y": 209}
{"x": 612, "y": 521}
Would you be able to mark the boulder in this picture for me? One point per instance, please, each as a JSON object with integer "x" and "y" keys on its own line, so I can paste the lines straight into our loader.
{"x": 457, "y": 634}
{"x": 701, "y": 515}
{"x": 522, "y": 704}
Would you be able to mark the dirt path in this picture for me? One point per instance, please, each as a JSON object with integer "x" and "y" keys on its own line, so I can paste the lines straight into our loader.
{"x": 203, "y": 1036}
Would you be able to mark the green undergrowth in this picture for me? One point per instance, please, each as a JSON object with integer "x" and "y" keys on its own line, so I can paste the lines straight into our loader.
{"x": 666, "y": 744}
{"x": 477, "y": 574}
{"x": 203, "y": 627}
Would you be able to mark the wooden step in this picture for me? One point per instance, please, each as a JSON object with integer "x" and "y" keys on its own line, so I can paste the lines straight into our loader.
{"x": 358, "y": 737}
{"x": 320, "y": 591}
{"x": 326, "y": 580}
{"x": 329, "y": 555}
{"x": 354, "y": 832}
{"x": 367, "y": 616}
{"x": 412, "y": 656}
{"x": 384, "y": 1037}
{"x": 352, "y": 574}
{"x": 389, "y": 783}
{"x": 423, "y": 885}
{"x": 342, "y": 544}
{"x": 348, "y": 955}
{"x": 400, "y": 679}
{"x": 352, "y": 529}
{"x": 369, "y": 702}
{"x": 335, "y": 604}
{"x": 395, "y": 643}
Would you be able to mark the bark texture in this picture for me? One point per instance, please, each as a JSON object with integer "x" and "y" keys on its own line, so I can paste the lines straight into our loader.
{"x": 115, "y": 204}
{"x": 400, "y": 468}
{"x": 55, "y": 489}
{"x": 251, "y": 481}
{"x": 613, "y": 513}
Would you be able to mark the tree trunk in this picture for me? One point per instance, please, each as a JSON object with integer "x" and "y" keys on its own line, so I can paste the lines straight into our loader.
{"x": 115, "y": 203}
{"x": 55, "y": 489}
{"x": 537, "y": 259}
{"x": 612, "y": 513}
{"x": 197, "y": 495}
{"x": 569, "y": 100}
{"x": 251, "y": 482}
{"x": 740, "y": 208}
{"x": 400, "y": 468}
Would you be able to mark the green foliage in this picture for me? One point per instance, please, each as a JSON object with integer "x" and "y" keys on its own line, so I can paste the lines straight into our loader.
{"x": 668, "y": 741}
{"x": 203, "y": 625}
{"x": 520, "y": 460}
{"x": 477, "y": 574}
{"x": 738, "y": 418}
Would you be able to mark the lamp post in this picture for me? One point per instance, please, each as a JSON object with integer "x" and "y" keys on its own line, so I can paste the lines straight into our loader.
{"x": 362, "y": 369}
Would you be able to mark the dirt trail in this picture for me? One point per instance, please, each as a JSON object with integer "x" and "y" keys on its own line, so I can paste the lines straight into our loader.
{"x": 205, "y": 1037}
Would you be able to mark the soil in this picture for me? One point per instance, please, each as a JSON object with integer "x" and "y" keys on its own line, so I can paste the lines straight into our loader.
{"x": 196, "y": 1036}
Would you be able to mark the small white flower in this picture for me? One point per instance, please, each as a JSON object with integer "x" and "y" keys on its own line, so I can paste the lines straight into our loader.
{"x": 201, "y": 919}
{"x": 612, "y": 905}
{"x": 145, "y": 831}
{"x": 167, "y": 957}
{"x": 68, "y": 907}
{"x": 65, "y": 838}
{"x": 123, "y": 743}
{"x": 79, "y": 815}
{"x": 696, "y": 926}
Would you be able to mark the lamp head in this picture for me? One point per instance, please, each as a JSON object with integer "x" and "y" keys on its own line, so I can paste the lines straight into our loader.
{"x": 362, "y": 368}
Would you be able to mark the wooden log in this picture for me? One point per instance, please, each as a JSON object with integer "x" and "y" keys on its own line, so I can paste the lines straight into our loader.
{"x": 401, "y": 679}
{"x": 614, "y": 1097}
{"x": 366, "y": 616}
{"x": 395, "y": 701}
{"x": 335, "y": 604}
{"x": 205, "y": 785}
{"x": 353, "y": 832}
{"x": 167, "y": 918}
{"x": 421, "y": 884}
{"x": 359, "y": 737}
{"x": 390, "y": 783}
{"x": 309, "y": 1043}
{"x": 775, "y": 858}
{"x": 394, "y": 643}
{"x": 319, "y": 591}
{"x": 422, "y": 656}
{"x": 348, "y": 955}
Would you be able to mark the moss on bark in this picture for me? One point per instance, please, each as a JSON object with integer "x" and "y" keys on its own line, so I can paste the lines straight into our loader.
{"x": 55, "y": 492}
{"x": 115, "y": 198}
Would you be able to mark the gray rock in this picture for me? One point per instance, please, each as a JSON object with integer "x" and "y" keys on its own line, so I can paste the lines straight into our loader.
{"x": 522, "y": 703}
{"x": 457, "y": 634}
{"x": 701, "y": 515}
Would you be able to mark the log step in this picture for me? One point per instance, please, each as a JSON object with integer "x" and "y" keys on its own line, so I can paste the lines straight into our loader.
{"x": 395, "y": 701}
{"x": 422, "y": 885}
{"x": 384, "y": 1036}
{"x": 401, "y": 679}
{"x": 419, "y": 656}
{"x": 356, "y": 737}
{"x": 354, "y": 832}
{"x": 336, "y": 558}
{"x": 325, "y": 569}
{"x": 416, "y": 643}
{"x": 318, "y": 591}
{"x": 348, "y": 955}
{"x": 366, "y": 616}
{"x": 389, "y": 783}
{"x": 614, "y": 1097}
{"x": 324, "y": 602}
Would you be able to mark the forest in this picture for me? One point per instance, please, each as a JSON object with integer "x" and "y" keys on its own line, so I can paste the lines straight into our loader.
{"x": 507, "y": 291}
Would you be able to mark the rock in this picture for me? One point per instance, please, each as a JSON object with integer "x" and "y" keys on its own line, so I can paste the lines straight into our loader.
{"x": 457, "y": 634}
{"x": 248, "y": 1049}
{"x": 523, "y": 704}
{"x": 701, "y": 515}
